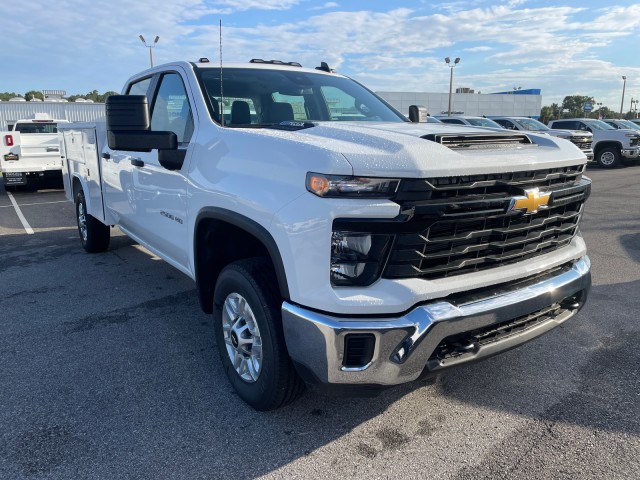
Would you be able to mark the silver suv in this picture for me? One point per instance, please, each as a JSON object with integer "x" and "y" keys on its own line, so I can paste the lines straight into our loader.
{"x": 580, "y": 138}
{"x": 611, "y": 146}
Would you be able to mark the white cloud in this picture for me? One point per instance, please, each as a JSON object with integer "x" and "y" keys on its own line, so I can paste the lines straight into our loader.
{"x": 478, "y": 49}
{"x": 326, "y": 6}
{"x": 511, "y": 43}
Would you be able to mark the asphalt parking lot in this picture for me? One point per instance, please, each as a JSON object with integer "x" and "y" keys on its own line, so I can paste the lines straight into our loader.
{"x": 108, "y": 369}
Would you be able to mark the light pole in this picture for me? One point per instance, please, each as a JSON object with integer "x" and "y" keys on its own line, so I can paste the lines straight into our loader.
{"x": 451, "y": 65}
{"x": 624, "y": 85}
{"x": 150, "y": 47}
{"x": 633, "y": 109}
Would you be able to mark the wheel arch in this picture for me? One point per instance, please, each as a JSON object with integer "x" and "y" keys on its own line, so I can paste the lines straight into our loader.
{"x": 606, "y": 144}
{"x": 222, "y": 236}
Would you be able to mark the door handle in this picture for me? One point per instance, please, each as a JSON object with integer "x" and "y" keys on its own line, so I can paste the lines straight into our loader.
{"x": 136, "y": 162}
{"x": 106, "y": 156}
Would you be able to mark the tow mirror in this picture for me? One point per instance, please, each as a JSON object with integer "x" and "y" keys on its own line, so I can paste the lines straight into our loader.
{"x": 418, "y": 114}
{"x": 128, "y": 126}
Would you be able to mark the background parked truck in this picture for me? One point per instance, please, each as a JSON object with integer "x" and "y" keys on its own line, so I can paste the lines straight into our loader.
{"x": 336, "y": 243}
{"x": 612, "y": 147}
{"x": 30, "y": 150}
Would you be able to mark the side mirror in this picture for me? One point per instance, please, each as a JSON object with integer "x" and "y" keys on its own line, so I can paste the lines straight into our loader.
{"x": 128, "y": 126}
{"x": 418, "y": 114}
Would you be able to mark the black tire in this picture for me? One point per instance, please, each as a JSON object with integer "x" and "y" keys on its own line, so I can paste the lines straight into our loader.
{"x": 276, "y": 382}
{"x": 608, "y": 157}
{"x": 94, "y": 234}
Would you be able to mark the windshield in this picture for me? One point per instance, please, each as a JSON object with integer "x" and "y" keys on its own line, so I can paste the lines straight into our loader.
{"x": 599, "y": 125}
{"x": 483, "y": 122}
{"x": 257, "y": 97}
{"x": 36, "y": 127}
{"x": 531, "y": 124}
{"x": 628, "y": 124}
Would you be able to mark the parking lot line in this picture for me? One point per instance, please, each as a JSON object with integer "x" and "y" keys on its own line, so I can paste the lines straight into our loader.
{"x": 23, "y": 220}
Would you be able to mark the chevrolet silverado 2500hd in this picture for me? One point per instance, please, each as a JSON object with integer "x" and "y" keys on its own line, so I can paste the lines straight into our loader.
{"x": 30, "y": 149}
{"x": 611, "y": 147}
{"x": 335, "y": 242}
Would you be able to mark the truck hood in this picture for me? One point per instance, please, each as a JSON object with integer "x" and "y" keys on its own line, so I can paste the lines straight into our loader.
{"x": 399, "y": 149}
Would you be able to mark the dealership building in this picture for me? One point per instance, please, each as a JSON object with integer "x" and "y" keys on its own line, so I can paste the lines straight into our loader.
{"x": 521, "y": 103}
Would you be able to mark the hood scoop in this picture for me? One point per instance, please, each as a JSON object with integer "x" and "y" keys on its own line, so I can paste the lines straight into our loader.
{"x": 479, "y": 141}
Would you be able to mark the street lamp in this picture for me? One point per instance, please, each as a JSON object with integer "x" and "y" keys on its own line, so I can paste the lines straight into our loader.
{"x": 149, "y": 47}
{"x": 624, "y": 85}
{"x": 634, "y": 109}
{"x": 451, "y": 65}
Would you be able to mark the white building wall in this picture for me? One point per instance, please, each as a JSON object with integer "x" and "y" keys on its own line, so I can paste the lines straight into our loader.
{"x": 71, "y": 111}
{"x": 477, "y": 104}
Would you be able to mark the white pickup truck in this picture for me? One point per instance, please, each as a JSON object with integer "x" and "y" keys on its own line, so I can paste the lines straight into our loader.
{"x": 612, "y": 147}
{"x": 336, "y": 243}
{"x": 30, "y": 150}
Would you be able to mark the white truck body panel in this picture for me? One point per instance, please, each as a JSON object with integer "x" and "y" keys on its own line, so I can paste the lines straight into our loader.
{"x": 80, "y": 145}
{"x": 23, "y": 153}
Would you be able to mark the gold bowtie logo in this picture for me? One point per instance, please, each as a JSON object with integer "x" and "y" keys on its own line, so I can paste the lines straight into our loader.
{"x": 532, "y": 201}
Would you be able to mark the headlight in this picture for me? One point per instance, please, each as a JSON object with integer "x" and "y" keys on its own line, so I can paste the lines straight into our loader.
{"x": 357, "y": 258}
{"x": 347, "y": 186}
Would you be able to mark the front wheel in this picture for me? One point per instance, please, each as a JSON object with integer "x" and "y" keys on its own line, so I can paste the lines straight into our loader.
{"x": 94, "y": 234}
{"x": 248, "y": 329}
{"x": 608, "y": 157}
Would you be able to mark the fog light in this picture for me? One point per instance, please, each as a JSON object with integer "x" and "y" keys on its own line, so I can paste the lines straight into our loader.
{"x": 357, "y": 258}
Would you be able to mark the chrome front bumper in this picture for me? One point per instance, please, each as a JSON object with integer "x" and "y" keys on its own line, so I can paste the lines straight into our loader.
{"x": 409, "y": 346}
{"x": 631, "y": 152}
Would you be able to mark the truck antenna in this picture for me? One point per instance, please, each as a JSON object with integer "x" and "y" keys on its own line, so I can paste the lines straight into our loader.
{"x": 221, "y": 91}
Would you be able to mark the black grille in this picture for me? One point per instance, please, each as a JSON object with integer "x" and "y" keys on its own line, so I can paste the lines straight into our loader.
{"x": 583, "y": 143}
{"x": 457, "y": 225}
{"x": 470, "y": 342}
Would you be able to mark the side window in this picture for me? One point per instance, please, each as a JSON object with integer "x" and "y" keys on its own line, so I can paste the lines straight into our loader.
{"x": 171, "y": 109}
{"x": 139, "y": 87}
{"x": 452, "y": 120}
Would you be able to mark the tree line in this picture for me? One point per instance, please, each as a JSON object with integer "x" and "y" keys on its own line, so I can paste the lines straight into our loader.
{"x": 573, "y": 107}
{"x": 92, "y": 95}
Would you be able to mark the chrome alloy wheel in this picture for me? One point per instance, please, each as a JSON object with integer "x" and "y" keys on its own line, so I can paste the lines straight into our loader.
{"x": 82, "y": 221}
{"x": 242, "y": 337}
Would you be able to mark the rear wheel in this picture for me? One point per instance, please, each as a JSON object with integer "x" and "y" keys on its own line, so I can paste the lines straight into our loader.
{"x": 94, "y": 234}
{"x": 249, "y": 335}
{"x": 608, "y": 157}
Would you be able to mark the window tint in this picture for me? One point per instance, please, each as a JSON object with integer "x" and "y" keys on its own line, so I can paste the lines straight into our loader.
{"x": 452, "y": 120}
{"x": 568, "y": 124}
{"x": 140, "y": 87}
{"x": 171, "y": 109}
{"x": 274, "y": 96}
{"x": 37, "y": 127}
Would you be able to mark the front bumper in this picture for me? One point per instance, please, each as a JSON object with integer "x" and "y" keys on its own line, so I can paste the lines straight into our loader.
{"x": 589, "y": 154}
{"x": 437, "y": 335}
{"x": 631, "y": 152}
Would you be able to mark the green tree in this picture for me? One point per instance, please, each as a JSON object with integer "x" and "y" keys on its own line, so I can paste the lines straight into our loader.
{"x": 5, "y": 96}
{"x": 103, "y": 97}
{"x": 549, "y": 112}
{"x": 573, "y": 105}
{"x": 33, "y": 94}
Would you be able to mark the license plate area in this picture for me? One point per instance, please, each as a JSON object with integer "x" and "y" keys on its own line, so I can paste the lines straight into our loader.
{"x": 15, "y": 178}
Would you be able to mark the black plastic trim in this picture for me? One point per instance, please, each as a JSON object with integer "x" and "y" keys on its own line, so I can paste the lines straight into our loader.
{"x": 255, "y": 229}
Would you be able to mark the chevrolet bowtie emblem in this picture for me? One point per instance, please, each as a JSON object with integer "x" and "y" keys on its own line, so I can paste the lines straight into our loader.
{"x": 532, "y": 201}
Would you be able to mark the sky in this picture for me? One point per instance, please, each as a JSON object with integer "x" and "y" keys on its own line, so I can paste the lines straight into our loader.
{"x": 561, "y": 47}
